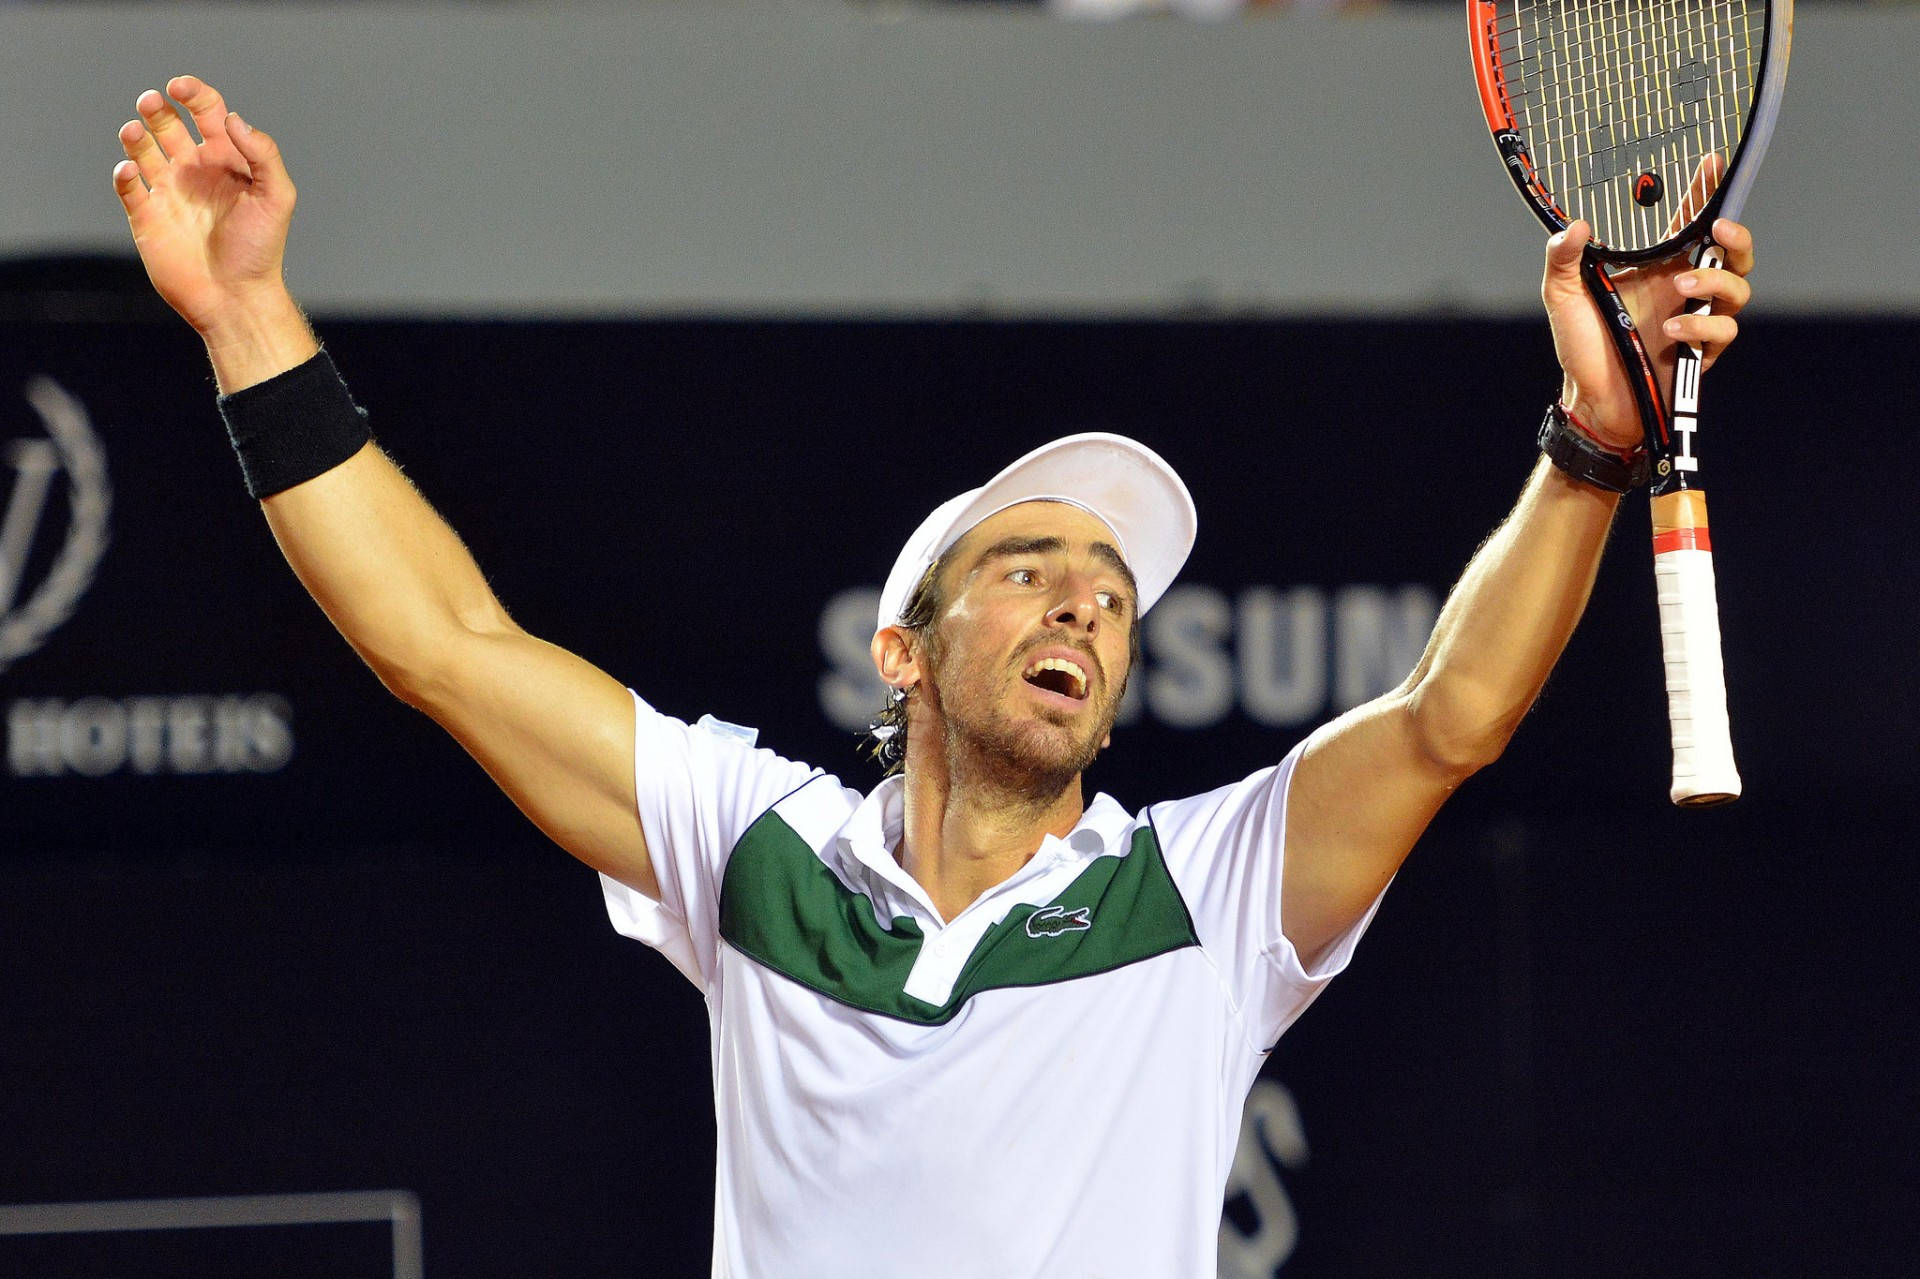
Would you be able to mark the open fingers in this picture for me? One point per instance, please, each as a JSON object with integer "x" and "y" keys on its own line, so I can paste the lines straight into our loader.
{"x": 204, "y": 103}
{"x": 148, "y": 160}
{"x": 266, "y": 167}
{"x": 128, "y": 185}
{"x": 164, "y": 123}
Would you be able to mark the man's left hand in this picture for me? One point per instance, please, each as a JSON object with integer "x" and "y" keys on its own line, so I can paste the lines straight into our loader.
{"x": 1596, "y": 389}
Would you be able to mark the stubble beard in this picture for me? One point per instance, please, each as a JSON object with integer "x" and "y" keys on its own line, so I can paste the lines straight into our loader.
{"x": 1029, "y": 759}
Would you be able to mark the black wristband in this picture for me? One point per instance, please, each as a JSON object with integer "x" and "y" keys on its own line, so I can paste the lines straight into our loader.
{"x": 1570, "y": 449}
{"x": 294, "y": 426}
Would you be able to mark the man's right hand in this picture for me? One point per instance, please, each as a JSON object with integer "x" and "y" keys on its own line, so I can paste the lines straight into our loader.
{"x": 210, "y": 221}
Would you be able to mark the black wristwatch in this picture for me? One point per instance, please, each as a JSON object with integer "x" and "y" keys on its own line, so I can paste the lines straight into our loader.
{"x": 1570, "y": 449}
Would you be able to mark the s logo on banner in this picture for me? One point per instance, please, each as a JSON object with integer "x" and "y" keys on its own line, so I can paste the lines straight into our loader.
{"x": 89, "y": 735}
{"x": 1272, "y": 1138}
{"x": 71, "y": 447}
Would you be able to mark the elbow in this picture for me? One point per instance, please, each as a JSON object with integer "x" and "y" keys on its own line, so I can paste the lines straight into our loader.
{"x": 410, "y": 683}
{"x": 426, "y": 670}
{"x": 408, "y": 673}
{"x": 1459, "y": 731}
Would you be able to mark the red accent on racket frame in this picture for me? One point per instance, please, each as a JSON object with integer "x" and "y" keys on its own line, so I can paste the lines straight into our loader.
{"x": 1488, "y": 73}
{"x": 1654, "y": 395}
{"x": 1490, "y": 76}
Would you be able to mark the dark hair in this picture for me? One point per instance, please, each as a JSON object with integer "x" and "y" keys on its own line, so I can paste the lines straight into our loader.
{"x": 887, "y": 734}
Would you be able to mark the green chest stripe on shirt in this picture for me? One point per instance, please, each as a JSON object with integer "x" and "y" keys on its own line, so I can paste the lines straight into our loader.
{"x": 781, "y": 906}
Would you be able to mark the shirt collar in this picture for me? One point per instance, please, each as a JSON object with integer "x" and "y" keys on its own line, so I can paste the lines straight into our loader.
{"x": 874, "y": 830}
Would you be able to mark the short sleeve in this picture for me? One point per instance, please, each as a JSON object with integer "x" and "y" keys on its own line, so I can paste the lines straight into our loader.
{"x": 1226, "y": 851}
{"x": 699, "y": 786}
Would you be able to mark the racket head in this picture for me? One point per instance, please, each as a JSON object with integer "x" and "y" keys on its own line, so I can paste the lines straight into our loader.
{"x": 1646, "y": 118}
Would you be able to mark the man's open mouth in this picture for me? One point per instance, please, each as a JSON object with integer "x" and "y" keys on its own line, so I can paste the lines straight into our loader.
{"x": 1057, "y": 675}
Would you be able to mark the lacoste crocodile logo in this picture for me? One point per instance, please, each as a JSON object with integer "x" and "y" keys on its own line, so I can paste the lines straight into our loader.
{"x": 1054, "y": 920}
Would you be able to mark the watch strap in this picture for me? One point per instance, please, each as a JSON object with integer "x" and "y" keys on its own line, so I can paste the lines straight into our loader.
{"x": 1579, "y": 455}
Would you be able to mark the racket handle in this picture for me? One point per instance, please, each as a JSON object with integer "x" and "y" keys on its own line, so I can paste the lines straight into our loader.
{"x": 1703, "y": 769}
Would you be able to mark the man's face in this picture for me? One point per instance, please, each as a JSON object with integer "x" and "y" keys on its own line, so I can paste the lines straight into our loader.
{"x": 1028, "y": 658}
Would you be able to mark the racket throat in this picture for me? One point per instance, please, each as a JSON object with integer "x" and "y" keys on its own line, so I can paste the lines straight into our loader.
{"x": 1689, "y": 363}
{"x": 1632, "y": 354}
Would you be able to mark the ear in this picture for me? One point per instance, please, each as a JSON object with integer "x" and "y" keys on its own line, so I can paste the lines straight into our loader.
{"x": 896, "y": 656}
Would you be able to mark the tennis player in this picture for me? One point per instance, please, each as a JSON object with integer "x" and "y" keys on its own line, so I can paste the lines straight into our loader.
{"x": 967, "y": 1024}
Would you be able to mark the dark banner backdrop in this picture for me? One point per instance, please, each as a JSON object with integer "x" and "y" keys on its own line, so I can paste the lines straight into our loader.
{"x": 266, "y": 930}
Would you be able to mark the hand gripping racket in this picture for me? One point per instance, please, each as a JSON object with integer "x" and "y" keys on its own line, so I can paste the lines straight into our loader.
{"x": 1647, "y": 118}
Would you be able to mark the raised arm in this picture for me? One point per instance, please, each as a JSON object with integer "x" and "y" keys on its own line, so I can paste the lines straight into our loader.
{"x": 1366, "y": 789}
{"x": 210, "y": 220}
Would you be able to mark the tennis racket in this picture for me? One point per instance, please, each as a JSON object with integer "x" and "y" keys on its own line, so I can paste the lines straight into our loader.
{"x": 1647, "y": 118}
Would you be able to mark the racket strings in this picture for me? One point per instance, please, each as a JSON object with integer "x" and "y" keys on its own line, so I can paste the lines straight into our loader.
{"x": 1620, "y": 101}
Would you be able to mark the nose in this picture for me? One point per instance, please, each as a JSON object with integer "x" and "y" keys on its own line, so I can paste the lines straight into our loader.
{"x": 1076, "y": 609}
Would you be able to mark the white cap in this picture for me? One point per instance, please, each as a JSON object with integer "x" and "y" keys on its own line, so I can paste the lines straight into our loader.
{"x": 1121, "y": 481}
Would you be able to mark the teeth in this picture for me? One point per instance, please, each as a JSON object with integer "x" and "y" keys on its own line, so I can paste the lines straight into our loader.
{"x": 1072, "y": 669}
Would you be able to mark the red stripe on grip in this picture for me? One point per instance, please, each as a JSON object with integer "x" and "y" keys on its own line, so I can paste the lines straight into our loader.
{"x": 1682, "y": 539}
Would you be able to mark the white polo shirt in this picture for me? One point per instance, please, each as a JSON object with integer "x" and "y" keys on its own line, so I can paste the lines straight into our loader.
{"x": 1048, "y": 1084}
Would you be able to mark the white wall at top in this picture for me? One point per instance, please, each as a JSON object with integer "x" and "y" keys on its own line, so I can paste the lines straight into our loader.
{"x": 828, "y": 157}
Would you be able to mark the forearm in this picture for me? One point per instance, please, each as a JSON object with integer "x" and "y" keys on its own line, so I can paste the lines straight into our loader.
{"x": 553, "y": 731}
{"x": 210, "y": 221}
{"x": 1508, "y": 619}
{"x": 386, "y": 569}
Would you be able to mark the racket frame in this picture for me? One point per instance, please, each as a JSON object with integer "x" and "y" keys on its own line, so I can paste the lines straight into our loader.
{"x": 1726, "y": 200}
{"x": 1704, "y": 772}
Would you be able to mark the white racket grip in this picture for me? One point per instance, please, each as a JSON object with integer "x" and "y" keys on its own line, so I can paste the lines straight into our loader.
{"x": 1703, "y": 768}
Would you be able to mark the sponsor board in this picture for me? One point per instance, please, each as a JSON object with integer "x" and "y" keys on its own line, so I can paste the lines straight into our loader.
{"x": 1282, "y": 657}
{"x": 30, "y": 613}
{"x": 54, "y": 533}
{"x": 181, "y": 735}
{"x": 1260, "y": 1229}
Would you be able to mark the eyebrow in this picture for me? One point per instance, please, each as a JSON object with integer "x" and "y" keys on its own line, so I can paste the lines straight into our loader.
{"x": 1105, "y": 552}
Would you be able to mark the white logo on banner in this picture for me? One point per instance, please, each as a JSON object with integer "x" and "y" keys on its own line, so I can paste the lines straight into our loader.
{"x": 1282, "y": 658}
{"x": 69, "y": 446}
{"x": 1271, "y": 1138}
{"x": 183, "y": 734}
{"x": 93, "y": 736}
